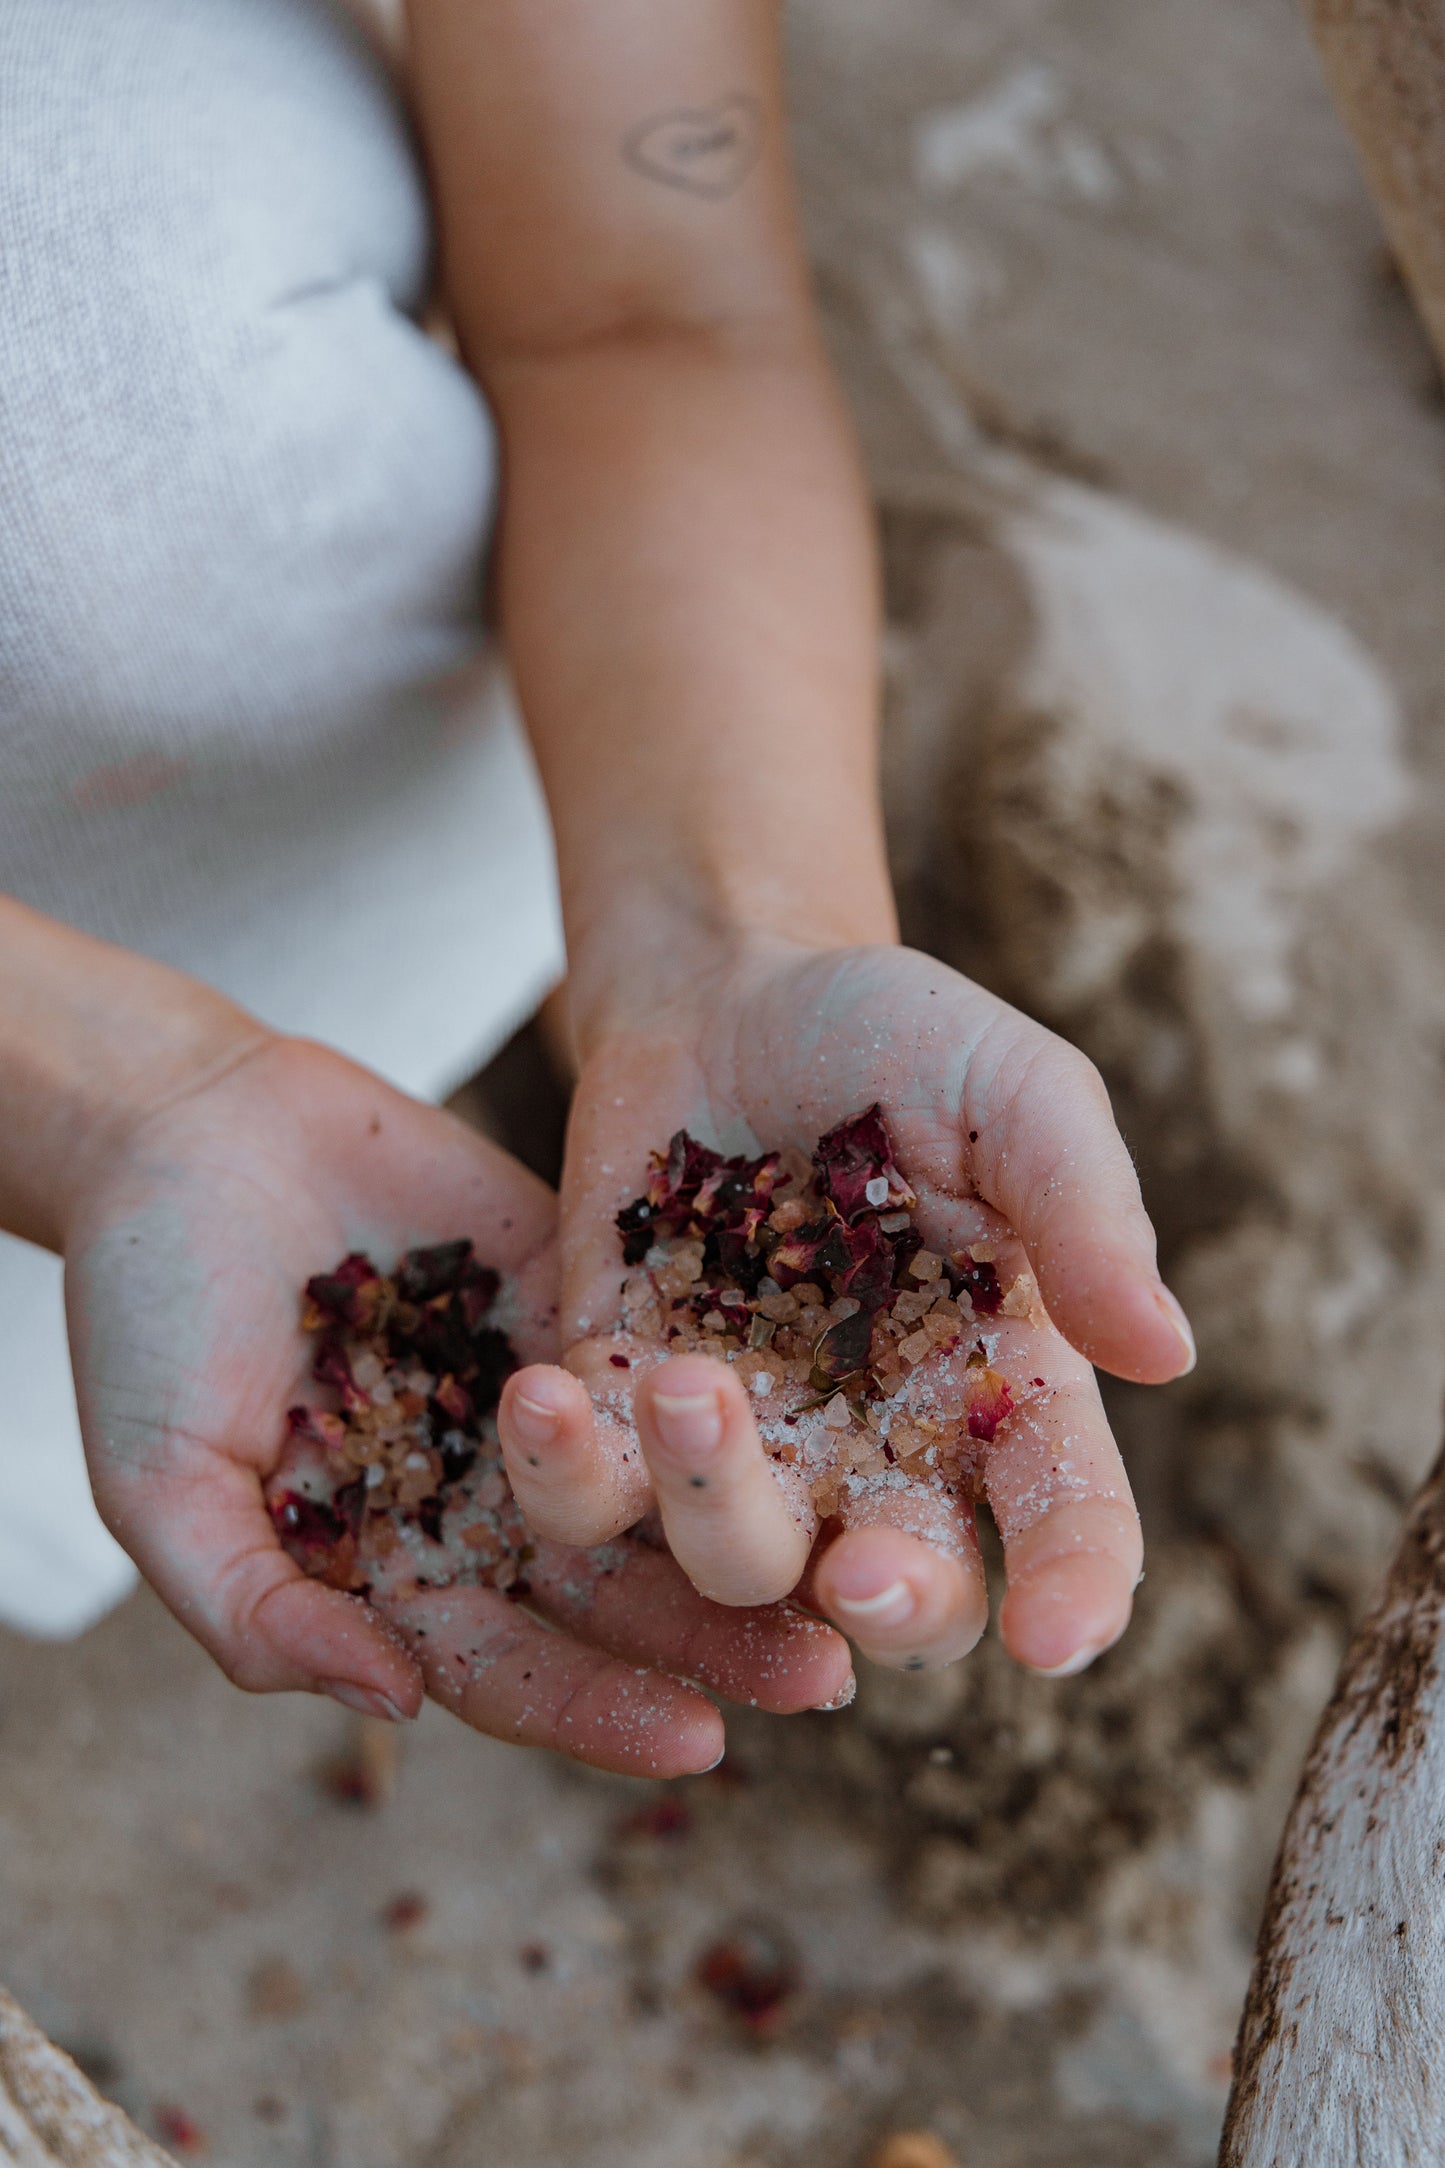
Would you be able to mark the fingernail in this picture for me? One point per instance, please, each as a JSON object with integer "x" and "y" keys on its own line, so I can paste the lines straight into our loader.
{"x": 843, "y": 1699}
{"x": 892, "y": 1606}
{"x": 365, "y": 1700}
{"x": 1170, "y": 1306}
{"x": 533, "y": 1420}
{"x": 689, "y": 1423}
{"x": 1079, "y": 1661}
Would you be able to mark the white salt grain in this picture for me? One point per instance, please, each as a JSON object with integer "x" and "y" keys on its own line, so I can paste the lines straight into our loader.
{"x": 876, "y": 1191}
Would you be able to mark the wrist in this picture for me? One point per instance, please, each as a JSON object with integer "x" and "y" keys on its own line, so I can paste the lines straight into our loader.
{"x": 93, "y": 1041}
{"x": 648, "y": 945}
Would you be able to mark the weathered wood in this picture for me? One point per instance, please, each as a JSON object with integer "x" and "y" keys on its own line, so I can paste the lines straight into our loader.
{"x": 1385, "y": 60}
{"x": 51, "y": 2116}
{"x": 1341, "y": 2055}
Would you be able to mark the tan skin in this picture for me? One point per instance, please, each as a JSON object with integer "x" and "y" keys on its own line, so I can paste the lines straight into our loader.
{"x": 689, "y": 601}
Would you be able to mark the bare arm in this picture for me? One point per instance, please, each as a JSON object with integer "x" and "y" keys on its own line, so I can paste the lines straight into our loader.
{"x": 689, "y": 598}
{"x": 686, "y": 576}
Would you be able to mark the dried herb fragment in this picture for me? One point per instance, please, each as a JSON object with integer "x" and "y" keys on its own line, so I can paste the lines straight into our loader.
{"x": 378, "y": 1485}
{"x": 812, "y": 1278}
{"x": 179, "y": 2131}
{"x": 665, "y": 1820}
{"x": 752, "y": 1973}
{"x": 856, "y": 1168}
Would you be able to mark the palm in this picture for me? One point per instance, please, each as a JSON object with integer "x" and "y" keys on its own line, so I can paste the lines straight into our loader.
{"x": 999, "y": 1127}
{"x": 183, "y": 1296}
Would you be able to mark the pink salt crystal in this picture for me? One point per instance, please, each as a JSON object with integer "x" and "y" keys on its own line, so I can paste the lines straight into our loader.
{"x": 837, "y": 1414}
{"x": 915, "y": 1347}
{"x": 908, "y": 1309}
{"x": 926, "y": 1266}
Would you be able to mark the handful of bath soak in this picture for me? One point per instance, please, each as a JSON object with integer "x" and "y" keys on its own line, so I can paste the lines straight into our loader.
{"x": 401, "y": 1486}
{"x": 811, "y": 1279}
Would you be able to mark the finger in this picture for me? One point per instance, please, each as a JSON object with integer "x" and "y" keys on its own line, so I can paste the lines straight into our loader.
{"x": 204, "y": 1540}
{"x": 739, "y": 1525}
{"x": 637, "y": 1603}
{"x": 1073, "y": 1548}
{"x": 1044, "y": 1149}
{"x": 905, "y": 1580}
{"x": 575, "y": 1467}
{"x": 505, "y": 1674}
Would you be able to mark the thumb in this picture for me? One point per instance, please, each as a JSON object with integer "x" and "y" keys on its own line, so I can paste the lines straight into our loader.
{"x": 1045, "y": 1151}
{"x": 198, "y": 1529}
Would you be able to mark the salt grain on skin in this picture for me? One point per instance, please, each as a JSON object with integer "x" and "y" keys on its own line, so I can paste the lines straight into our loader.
{"x": 780, "y": 1330}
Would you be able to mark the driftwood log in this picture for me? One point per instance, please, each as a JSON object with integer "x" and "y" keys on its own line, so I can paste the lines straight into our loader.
{"x": 51, "y": 2116}
{"x": 1341, "y": 2055}
{"x": 1340, "y": 2061}
{"x": 1385, "y": 60}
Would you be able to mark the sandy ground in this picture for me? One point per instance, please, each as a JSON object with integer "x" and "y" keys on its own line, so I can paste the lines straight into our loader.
{"x": 1160, "y": 455}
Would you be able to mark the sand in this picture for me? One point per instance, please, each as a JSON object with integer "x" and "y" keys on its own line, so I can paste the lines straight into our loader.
{"x": 1160, "y": 455}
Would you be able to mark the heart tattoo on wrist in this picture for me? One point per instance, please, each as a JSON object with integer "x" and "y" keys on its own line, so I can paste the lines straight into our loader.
{"x": 707, "y": 151}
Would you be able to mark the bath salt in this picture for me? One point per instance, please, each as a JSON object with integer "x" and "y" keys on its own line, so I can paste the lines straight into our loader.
{"x": 400, "y": 1483}
{"x": 816, "y": 1263}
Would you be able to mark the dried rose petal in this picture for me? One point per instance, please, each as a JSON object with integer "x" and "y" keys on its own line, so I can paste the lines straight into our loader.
{"x": 446, "y": 1269}
{"x": 870, "y": 1275}
{"x": 178, "y": 2130}
{"x": 351, "y": 1295}
{"x": 843, "y": 1349}
{"x": 318, "y": 1427}
{"x": 669, "y": 1817}
{"x": 979, "y": 1281}
{"x": 820, "y": 1247}
{"x": 990, "y": 1400}
{"x": 853, "y": 1155}
{"x": 752, "y": 1973}
{"x": 405, "y": 1911}
{"x": 455, "y": 1401}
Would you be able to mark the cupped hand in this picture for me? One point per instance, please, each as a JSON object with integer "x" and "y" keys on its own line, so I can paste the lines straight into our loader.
{"x": 1006, "y": 1135}
{"x": 185, "y": 1255}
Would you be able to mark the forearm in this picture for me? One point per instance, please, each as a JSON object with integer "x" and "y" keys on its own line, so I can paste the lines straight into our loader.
{"x": 689, "y": 599}
{"x": 91, "y": 1038}
{"x": 686, "y": 564}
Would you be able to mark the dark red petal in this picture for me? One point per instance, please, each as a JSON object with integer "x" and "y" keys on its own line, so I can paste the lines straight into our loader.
{"x": 440, "y": 1270}
{"x": 843, "y": 1349}
{"x": 669, "y": 1817}
{"x": 350, "y": 1295}
{"x": 317, "y": 1427}
{"x": 980, "y": 1282}
{"x": 454, "y": 1401}
{"x": 852, "y": 1155}
{"x": 870, "y": 1275}
{"x": 820, "y": 1247}
{"x": 990, "y": 1400}
{"x": 752, "y": 1973}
